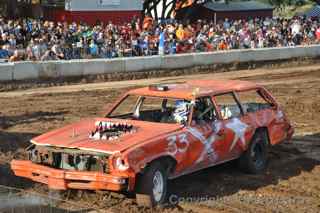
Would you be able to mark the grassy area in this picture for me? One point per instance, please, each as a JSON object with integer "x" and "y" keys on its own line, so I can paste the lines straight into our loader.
{"x": 289, "y": 10}
{"x": 292, "y": 10}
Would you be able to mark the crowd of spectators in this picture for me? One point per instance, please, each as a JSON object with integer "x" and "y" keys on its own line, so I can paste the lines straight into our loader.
{"x": 27, "y": 39}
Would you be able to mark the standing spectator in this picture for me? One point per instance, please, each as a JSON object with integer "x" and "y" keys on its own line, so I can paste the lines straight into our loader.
{"x": 135, "y": 45}
{"x": 180, "y": 33}
{"x": 162, "y": 41}
{"x": 49, "y": 56}
{"x": 4, "y": 54}
{"x": 4, "y": 39}
{"x": 36, "y": 50}
{"x": 57, "y": 49}
{"x": 94, "y": 50}
{"x": 172, "y": 45}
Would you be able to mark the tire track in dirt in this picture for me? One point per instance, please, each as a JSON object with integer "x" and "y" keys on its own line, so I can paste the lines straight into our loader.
{"x": 263, "y": 76}
{"x": 290, "y": 184}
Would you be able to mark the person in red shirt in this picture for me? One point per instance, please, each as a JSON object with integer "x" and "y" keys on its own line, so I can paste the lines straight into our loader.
{"x": 318, "y": 34}
{"x": 147, "y": 23}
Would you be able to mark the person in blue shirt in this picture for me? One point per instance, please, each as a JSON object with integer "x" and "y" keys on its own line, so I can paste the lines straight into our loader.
{"x": 144, "y": 44}
{"x": 4, "y": 54}
{"x": 29, "y": 26}
{"x": 172, "y": 44}
{"x": 161, "y": 42}
{"x": 93, "y": 48}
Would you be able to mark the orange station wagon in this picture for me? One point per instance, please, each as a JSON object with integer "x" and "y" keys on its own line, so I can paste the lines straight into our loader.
{"x": 158, "y": 133}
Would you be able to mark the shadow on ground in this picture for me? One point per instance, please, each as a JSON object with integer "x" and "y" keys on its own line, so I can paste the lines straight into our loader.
{"x": 29, "y": 118}
{"x": 25, "y": 208}
{"x": 13, "y": 141}
{"x": 286, "y": 160}
{"x": 13, "y": 145}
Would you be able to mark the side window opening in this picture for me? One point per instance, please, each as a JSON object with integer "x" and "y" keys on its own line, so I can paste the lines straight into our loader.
{"x": 204, "y": 110}
{"x": 151, "y": 104}
{"x": 253, "y": 101}
{"x": 229, "y": 107}
{"x": 125, "y": 107}
{"x": 164, "y": 110}
{"x": 151, "y": 109}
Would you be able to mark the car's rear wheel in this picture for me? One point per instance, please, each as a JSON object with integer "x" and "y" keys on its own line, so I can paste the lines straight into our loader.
{"x": 255, "y": 159}
{"x": 152, "y": 186}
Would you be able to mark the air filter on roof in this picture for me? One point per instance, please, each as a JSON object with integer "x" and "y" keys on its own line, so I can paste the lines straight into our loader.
{"x": 159, "y": 87}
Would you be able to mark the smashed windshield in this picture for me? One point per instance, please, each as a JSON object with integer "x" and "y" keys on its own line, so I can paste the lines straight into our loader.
{"x": 152, "y": 109}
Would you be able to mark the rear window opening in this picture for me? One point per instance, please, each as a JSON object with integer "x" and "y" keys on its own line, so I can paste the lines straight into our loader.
{"x": 229, "y": 107}
{"x": 253, "y": 101}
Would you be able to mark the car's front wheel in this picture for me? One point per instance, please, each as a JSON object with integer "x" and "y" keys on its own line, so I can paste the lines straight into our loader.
{"x": 152, "y": 185}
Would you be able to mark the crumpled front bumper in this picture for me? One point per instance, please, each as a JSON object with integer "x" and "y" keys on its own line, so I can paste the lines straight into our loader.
{"x": 64, "y": 179}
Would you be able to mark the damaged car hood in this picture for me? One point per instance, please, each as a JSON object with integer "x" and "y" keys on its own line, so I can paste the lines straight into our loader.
{"x": 88, "y": 134}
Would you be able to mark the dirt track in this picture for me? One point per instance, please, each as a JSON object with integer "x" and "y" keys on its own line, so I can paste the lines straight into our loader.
{"x": 291, "y": 183}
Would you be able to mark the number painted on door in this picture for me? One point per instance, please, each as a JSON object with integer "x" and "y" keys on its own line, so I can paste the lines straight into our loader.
{"x": 178, "y": 144}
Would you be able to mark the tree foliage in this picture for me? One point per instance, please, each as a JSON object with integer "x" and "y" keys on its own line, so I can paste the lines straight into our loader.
{"x": 279, "y": 3}
{"x": 163, "y": 9}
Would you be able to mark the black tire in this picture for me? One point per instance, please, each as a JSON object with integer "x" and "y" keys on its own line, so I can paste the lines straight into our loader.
{"x": 255, "y": 159}
{"x": 145, "y": 186}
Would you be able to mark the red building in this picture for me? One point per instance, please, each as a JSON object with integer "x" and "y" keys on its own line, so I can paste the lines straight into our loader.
{"x": 91, "y": 11}
{"x": 215, "y": 11}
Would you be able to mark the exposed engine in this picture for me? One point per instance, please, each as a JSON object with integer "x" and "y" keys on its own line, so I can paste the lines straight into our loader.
{"x": 110, "y": 131}
{"x": 68, "y": 159}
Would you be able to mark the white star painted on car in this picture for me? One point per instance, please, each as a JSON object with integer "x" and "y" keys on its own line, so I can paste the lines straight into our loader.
{"x": 207, "y": 151}
{"x": 239, "y": 129}
{"x": 279, "y": 115}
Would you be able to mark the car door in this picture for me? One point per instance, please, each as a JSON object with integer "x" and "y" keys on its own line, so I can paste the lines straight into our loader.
{"x": 261, "y": 111}
{"x": 216, "y": 133}
{"x": 201, "y": 134}
{"x": 234, "y": 130}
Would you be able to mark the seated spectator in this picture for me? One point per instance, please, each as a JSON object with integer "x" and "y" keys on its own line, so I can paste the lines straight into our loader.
{"x": 57, "y": 50}
{"x": 49, "y": 56}
{"x": 4, "y": 54}
{"x": 18, "y": 55}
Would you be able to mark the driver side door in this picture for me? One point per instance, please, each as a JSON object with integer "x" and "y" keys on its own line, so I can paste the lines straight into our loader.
{"x": 202, "y": 133}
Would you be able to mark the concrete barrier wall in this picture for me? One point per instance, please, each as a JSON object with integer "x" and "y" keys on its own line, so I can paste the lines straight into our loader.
{"x": 60, "y": 69}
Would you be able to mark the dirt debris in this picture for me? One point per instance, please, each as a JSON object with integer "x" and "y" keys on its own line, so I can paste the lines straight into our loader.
{"x": 291, "y": 183}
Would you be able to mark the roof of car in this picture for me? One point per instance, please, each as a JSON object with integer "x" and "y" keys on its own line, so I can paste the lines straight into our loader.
{"x": 196, "y": 88}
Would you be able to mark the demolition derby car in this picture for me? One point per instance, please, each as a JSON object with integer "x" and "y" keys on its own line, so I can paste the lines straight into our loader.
{"x": 158, "y": 133}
